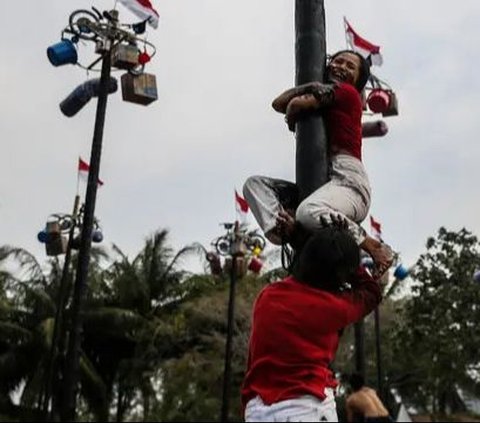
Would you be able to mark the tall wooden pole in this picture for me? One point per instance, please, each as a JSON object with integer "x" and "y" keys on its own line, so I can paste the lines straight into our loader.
{"x": 58, "y": 327}
{"x": 74, "y": 341}
{"x": 224, "y": 414}
{"x": 378, "y": 353}
{"x": 310, "y": 58}
{"x": 237, "y": 251}
{"x": 360, "y": 348}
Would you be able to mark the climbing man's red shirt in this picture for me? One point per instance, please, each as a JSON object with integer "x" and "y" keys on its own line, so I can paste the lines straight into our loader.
{"x": 295, "y": 336}
{"x": 343, "y": 120}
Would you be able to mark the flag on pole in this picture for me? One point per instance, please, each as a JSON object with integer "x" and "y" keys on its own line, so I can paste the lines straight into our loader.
{"x": 242, "y": 207}
{"x": 144, "y": 10}
{"x": 362, "y": 46}
{"x": 376, "y": 228}
{"x": 83, "y": 169}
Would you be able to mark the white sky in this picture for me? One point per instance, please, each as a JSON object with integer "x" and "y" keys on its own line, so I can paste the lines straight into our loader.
{"x": 219, "y": 63}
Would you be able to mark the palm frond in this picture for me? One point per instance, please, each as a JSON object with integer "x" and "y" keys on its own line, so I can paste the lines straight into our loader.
{"x": 119, "y": 252}
{"x": 99, "y": 252}
{"x": 46, "y": 330}
{"x": 94, "y": 390}
{"x": 33, "y": 386}
{"x": 15, "y": 364}
{"x": 27, "y": 262}
{"x": 5, "y": 276}
{"x": 13, "y": 333}
{"x": 37, "y": 299}
{"x": 195, "y": 248}
{"x": 115, "y": 322}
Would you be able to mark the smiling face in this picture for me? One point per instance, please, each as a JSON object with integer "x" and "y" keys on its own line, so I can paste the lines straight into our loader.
{"x": 345, "y": 68}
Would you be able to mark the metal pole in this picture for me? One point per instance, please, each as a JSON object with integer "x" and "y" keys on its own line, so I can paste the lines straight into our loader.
{"x": 378, "y": 353}
{"x": 360, "y": 347}
{"x": 74, "y": 342}
{"x": 310, "y": 58}
{"x": 228, "y": 345}
{"x": 52, "y": 365}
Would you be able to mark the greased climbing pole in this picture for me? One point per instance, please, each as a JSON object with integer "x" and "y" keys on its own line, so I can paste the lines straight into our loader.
{"x": 310, "y": 58}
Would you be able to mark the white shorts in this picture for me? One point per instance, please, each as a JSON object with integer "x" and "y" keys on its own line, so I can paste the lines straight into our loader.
{"x": 306, "y": 408}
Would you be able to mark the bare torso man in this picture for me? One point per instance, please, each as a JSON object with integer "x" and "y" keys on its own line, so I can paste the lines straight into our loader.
{"x": 365, "y": 405}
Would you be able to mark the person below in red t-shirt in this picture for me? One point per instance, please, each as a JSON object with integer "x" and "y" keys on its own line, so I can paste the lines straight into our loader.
{"x": 274, "y": 201}
{"x": 295, "y": 330}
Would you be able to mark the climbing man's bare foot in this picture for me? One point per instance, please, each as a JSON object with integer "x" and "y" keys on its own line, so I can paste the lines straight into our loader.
{"x": 381, "y": 254}
{"x": 286, "y": 224}
{"x": 383, "y": 259}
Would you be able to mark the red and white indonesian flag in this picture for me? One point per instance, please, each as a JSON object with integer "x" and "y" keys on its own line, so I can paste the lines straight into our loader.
{"x": 362, "y": 46}
{"x": 143, "y": 9}
{"x": 375, "y": 229}
{"x": 241, "y": 207}
{"x": 83, "y": 169}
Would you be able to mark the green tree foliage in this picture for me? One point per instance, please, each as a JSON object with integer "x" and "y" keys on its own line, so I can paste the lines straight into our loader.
{"x": 154, "y": 336}
{"x": 344, "y": 363}
{"x": 120, "y": 319}
{"x": 192, "y": 377}
{"x": 435, "y": 344}
{"x": 26, "y": 309}
{"x": 27, "y": 315}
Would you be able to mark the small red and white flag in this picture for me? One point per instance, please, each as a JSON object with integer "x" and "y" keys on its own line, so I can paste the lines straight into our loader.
{"x": 242, "y": 207}
{"x": 83, "y": 169}
{"x": 362, "y": 46}
{"x": 144, "y": 10}
{"x": 375, "y": 229}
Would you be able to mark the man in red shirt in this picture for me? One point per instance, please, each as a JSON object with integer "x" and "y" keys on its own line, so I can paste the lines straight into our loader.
{"x": 295, "y": 330}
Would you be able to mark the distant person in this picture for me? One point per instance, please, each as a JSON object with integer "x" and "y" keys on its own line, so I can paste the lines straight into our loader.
{"x": 295, "y": 330}
{"x": 363, "y": 404}
{"x": 348, "y": 190}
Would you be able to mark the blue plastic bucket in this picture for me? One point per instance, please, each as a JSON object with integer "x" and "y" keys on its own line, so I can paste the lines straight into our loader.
{"x": 401, "y": 272}
{"x": 62, "y": 53}
{"x": 43, "y": 236}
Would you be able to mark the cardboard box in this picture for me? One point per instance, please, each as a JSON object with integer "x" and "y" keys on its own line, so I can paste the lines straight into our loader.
{"x": 56, "y": 245}
{"x": 139, "y": 89}
{"x": 125, "y": 56}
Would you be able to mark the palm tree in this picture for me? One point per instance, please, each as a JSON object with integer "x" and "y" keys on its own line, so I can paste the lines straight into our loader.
{"x": 25, "y": 323}
{"x": 191, "y": 345}
{"x": 123, "y": 319}
{"x": 125, "y": 338}
{"x": 27, "y": 319}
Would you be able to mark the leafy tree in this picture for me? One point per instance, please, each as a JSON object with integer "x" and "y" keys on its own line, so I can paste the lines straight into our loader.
{"x": 436, "y": 339}
{"x": 122, "y": 319}
{"x": 192, "y": 378}
{"x": 24, "y": 327}
{"x": 27, "y": 317}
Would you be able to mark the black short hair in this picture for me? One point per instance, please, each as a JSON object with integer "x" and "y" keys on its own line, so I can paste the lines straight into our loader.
{"x": 364, "y": 68}
{"x": 328, "y": 259}
{"x": 356, "y": 381}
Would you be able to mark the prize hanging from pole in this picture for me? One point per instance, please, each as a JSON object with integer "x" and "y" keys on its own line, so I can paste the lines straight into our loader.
{"x": 378, "y": 96}
{"x": 129, "y": 52}
{"x": 116, "y": 46}
{"x": 137, "y": 86}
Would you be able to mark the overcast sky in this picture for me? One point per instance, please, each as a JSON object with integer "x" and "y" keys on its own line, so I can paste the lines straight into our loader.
{"x": 219, "y": 63}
